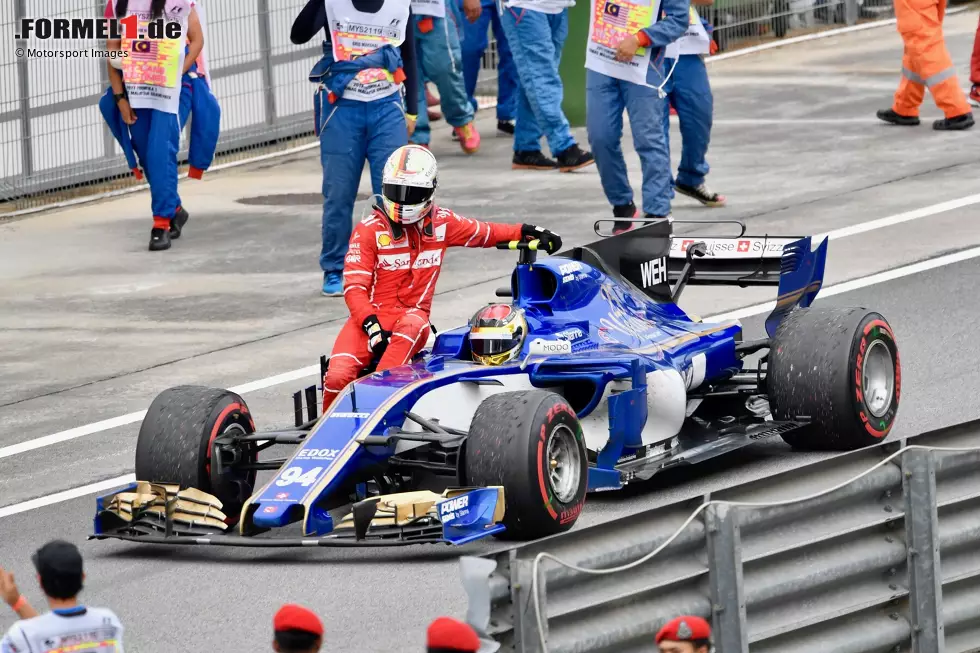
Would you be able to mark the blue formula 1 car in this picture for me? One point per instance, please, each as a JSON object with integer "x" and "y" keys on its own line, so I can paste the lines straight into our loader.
{"x": 614, "y": 383}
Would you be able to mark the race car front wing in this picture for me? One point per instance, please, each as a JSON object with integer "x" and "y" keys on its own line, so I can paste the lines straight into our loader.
{"x": 156, "y": 513}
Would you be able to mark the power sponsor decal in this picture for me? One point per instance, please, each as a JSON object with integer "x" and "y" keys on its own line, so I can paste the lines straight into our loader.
{"x": 394, "y": 262}
{"x": 569, "y": 271}
{"x": 430, "y": 258}
{"x": 455, "y": 508}
{"x": 653, "y": 273}
{"x": 733, "y": 248}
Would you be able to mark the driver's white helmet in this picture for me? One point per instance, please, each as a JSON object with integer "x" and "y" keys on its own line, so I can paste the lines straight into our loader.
{"x": 408, "y": 184}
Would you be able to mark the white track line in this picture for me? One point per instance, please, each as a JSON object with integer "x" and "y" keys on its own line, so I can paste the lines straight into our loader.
{"x": 748, "y": 311}
{"x": 286, "y": 377}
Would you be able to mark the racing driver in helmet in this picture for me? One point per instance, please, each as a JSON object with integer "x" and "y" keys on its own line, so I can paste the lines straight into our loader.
{"x": 392, "y": 265}
{"x": 497, "y": 334}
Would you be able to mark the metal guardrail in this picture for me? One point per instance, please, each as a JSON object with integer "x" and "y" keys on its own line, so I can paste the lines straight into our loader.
{"x": 821, "y": 558}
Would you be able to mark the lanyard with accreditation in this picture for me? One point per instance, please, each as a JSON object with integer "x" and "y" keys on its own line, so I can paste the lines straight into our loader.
{"x": 610, "y": 22}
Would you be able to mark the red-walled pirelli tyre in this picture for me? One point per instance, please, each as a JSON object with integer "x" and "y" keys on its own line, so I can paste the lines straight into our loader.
{"x": 839, "y": 368}
{"x": 530, "y": 442}
{"x": 175, "y": 443}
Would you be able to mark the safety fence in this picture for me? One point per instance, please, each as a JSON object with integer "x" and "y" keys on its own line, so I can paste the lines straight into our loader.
{"x": 55, "y": 147}
{"x": 872, "y": 551}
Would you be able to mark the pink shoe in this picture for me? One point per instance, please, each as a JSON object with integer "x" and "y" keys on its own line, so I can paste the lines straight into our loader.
{"x": 469, "y": 138}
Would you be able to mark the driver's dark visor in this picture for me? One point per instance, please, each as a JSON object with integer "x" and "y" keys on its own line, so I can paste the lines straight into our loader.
{"x": 400, "y": 194}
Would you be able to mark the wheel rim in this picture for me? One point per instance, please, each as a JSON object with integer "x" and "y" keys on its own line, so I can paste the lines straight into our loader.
{"x": 564, "y": 463}
{"x": 878, "y": 378}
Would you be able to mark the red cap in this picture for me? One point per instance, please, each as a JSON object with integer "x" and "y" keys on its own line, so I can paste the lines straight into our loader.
{"x": 448, "y": 633}
{"x": 296, "y": 617}
{"x": 687, "y": 628}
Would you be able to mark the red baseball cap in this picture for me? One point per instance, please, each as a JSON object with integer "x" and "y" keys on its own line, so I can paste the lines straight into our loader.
{"x": 686, "y": 628}
{"x": 296, "y": 617}
{"x": 446, "y": 633}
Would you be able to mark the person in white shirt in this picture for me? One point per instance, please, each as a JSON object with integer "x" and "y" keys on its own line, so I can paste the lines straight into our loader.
{"x": 69, "y": 625}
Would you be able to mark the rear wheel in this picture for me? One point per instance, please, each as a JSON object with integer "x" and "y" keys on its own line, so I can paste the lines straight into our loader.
{"x": 176, "y": 444}
{"x": 840, "y": 369}
{"x": 530, "y": 442}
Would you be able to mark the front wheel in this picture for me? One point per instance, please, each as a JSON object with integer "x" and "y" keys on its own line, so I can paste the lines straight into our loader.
{"x": 530, "y": 442}
{"x": 176, "y": 444}
{"x": 839, "y": 369}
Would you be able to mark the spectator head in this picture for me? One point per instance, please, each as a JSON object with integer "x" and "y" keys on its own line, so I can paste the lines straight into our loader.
{"x": 59, "y": 570}
{"x": 296, "y": 630}
{"x": 448, "y": 635}
{"x": 685, "y": 634}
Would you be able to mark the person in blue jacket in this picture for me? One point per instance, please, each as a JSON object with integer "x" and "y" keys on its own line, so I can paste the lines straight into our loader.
{"x": 480, "y": 16}
{"x": 146, "y": 117}
{"x": 359, "y": 113}
{"x": 689, "y": 92}
{"x": 625, "y": 71}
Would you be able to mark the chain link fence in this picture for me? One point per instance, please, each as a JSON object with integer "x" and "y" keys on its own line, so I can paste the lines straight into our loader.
{"x": 55, "y": 147}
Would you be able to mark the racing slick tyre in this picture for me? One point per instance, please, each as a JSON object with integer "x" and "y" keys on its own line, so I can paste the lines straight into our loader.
{"x": 176, "y": 443}
{"x": 530, "y": 442}
{"x": 838, "y": 368}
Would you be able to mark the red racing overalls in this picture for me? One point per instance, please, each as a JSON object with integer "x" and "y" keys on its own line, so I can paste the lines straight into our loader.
{"x": 391, "y": 272}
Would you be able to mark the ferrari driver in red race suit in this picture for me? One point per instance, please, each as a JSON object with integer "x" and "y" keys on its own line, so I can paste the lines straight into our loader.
{"x": 392, "y": 265}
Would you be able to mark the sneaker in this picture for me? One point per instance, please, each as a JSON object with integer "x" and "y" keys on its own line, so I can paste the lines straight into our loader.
{"x": 701, "y": 194}
{"x": 889, "y": 115}
{"x": 333, "y": 285}
{"x": 469, "y": 138}
{"x": 624, "y": 211}
{"x": 955, "y": 123}
{"x": 177, "y": 223}
{"x": 159, "y": 239}
{"x": 574, "y": 158}
{"x": 974, "y": 96}
{"x": 533, "y": 160}
{"x": 505, "y": 127}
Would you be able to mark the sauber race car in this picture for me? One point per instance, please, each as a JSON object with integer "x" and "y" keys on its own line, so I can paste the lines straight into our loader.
{"x": 613, "y": 383}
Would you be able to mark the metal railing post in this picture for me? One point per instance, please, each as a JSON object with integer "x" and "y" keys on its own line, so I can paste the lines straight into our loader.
{"x": 725, "y": 578}
{"x": 527, "y": 636}
{"x": 265, "y": 50}
{"x": 851, "y": 12}
{"x": 922, "y": 538}
{"x": 24, "y": 87}
{"x": 108, "y": 141}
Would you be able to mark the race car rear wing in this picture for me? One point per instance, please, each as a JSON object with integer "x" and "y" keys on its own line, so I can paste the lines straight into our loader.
{"x": 661, "y": 264}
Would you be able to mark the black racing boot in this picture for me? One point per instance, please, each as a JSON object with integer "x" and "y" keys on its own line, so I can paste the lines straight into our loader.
{"x": 533, "y": 160}
{"x": 574, "y": 158}
{"x": 177, "y": 223}
{"x": 624, "y": 211}
{"x": 505, "y": 127}
{"x": 955, "y": 123}
{"x": 888, "y": 115}
{"x": 159, "y": 239}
